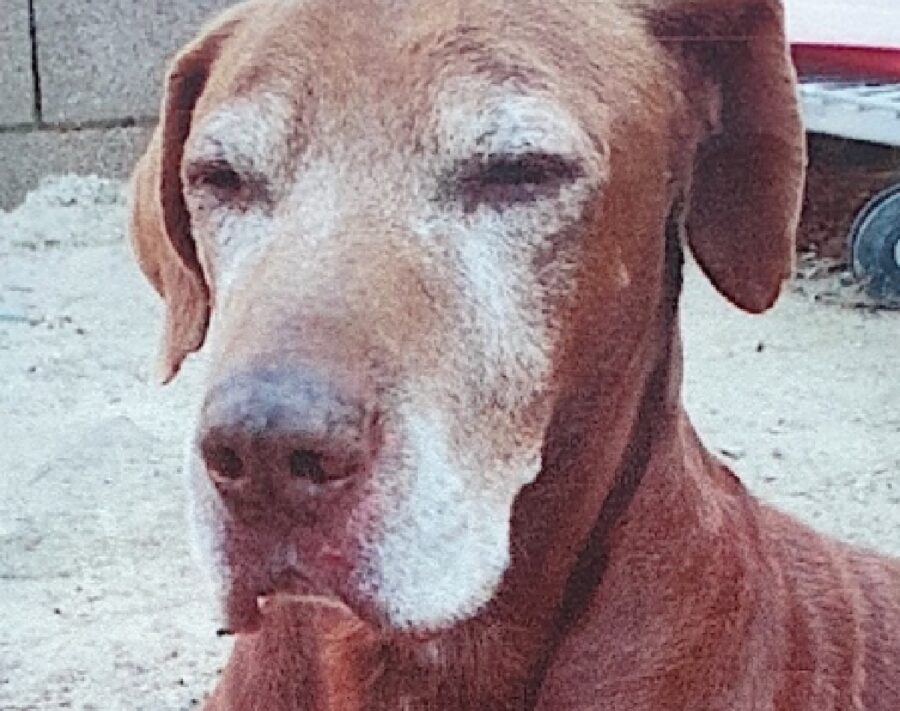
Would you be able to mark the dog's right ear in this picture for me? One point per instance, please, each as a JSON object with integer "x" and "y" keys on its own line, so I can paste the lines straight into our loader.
{"x": 160, "y": 226}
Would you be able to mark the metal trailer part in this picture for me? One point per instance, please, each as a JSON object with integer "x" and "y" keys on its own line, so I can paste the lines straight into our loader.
{"x": 864, "y": 112}
{"x": 854, "y": 110}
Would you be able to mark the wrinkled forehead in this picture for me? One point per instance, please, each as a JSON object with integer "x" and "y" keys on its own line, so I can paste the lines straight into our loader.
{"x": 440, "y": 84}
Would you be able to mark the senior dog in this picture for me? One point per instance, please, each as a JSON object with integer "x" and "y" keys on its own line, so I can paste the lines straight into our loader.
{"x": 441, "y": 460}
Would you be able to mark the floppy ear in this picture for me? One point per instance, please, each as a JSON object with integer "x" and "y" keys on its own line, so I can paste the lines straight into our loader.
{"x": 160, "y": 225}
{"x": 746, "y": 188}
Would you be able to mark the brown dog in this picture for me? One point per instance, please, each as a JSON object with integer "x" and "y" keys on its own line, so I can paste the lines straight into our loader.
{"x": 442, "y": 461}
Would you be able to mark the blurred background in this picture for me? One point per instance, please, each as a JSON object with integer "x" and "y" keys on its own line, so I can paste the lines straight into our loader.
{"x": 80, "y": 83}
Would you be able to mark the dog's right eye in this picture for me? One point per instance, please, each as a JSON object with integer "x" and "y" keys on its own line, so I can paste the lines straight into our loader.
{"x": 217, "y": 177}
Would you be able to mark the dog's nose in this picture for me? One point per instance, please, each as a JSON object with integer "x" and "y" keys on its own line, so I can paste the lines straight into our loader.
{"x": 275, "y": 428}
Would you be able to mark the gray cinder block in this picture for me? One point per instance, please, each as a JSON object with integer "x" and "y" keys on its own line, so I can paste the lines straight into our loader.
{"x": 26, "y": 157}
{"x": 16, "y": 86}
{"x": 105, "y": 60}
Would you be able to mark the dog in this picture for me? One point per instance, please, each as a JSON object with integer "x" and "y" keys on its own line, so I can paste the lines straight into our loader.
{"x": 434, "y": 252}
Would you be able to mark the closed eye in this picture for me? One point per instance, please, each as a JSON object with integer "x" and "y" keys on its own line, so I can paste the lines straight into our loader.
{"x": 507, "y": 179}
{"x": 222, "y": 181}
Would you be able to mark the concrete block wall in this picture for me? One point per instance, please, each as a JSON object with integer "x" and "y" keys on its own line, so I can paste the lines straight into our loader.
{"x": 80, "y": 83}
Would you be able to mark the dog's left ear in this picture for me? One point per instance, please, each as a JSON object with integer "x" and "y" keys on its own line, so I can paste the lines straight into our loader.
{"x": 746, "y": 188}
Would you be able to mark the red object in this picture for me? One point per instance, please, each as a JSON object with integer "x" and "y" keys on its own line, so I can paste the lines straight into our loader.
{"x": 846, "y": 62}
{"x": 852, "y": 40}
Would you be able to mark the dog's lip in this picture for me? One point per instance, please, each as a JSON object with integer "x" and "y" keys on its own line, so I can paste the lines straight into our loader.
{"x": 330, "y": 591}
{"x": 317, "y": 580}
{"x": 267, "y": 602}
{"x": 296, "y": 584}
{"x": 248, "y": 605}
{"x": 295, "y": 588}
{"x": 276, "y": 563}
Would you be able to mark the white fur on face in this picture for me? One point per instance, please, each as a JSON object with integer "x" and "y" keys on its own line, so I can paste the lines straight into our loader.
{"x": 497, "y": 246}
{"x": 474, "y": 118}
{"x": 445, "y": 543}
{"x": 248, "y": 135}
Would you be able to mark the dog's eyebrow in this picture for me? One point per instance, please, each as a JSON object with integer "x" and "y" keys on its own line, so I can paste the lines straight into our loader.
{"x": 507, "y": 71}
{"x": 486, "y": 60}
{"x": 246, "y": 133}
{"x": 475, "y": 122}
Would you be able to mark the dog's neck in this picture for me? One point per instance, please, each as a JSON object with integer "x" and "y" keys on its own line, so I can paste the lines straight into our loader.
{"x": 659, "y": 401}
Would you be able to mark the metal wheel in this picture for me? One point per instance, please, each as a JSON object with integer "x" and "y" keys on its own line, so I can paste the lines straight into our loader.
{"x": 875, "y": 245}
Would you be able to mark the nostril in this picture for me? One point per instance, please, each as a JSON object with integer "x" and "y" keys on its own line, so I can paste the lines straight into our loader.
{"x": 223, "y": 461}
{"x": 286, "y": 433}
{"x": 306, "y": 464}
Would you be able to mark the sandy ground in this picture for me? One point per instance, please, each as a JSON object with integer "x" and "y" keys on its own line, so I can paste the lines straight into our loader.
{"x": 102, "y": 605}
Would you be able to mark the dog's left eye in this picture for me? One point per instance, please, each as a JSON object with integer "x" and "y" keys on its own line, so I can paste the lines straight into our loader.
{"x": 499, "y": 180}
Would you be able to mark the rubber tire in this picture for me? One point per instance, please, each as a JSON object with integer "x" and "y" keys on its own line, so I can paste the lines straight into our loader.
{"x": 875, "y": 245}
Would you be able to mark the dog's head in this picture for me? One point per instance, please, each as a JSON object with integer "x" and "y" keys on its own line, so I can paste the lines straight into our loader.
{"x": 413, "y": 230}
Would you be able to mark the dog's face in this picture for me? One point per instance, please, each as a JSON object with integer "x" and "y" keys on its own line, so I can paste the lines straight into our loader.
{"x": 412, "y": 227}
